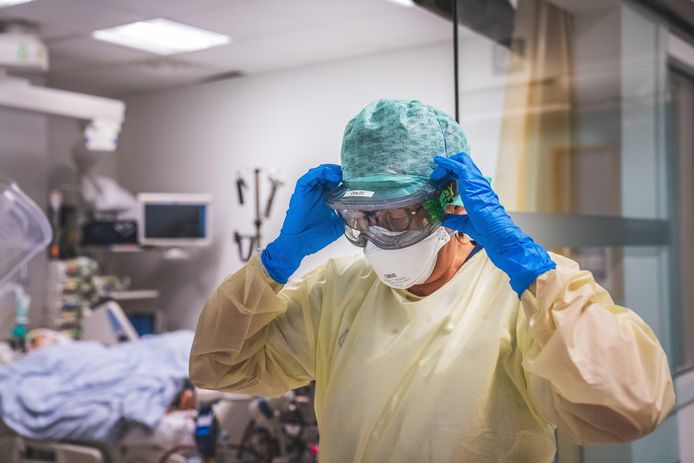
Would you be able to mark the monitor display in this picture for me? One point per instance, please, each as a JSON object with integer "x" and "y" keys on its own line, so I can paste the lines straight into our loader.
{"x": 175, "y": 221}
{"x": 144, "y": 323}
{"x": 171, "y": 219}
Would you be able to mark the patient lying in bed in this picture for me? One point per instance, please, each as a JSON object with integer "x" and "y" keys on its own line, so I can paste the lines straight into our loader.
{"x": 86, "y": 392}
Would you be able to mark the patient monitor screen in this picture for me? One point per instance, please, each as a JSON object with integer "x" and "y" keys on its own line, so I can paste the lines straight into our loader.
{"x": 173, "y": 221}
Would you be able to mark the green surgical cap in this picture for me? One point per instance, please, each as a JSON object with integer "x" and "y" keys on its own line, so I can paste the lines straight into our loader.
{"x": 392, "y": 140}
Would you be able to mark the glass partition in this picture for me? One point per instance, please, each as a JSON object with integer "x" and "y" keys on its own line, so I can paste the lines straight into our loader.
{"x": 567, "y": 110}
{"x": 681, "y": 136}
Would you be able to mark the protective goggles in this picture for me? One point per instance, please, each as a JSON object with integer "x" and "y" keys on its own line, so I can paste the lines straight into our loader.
{"x": 392, "y": 224}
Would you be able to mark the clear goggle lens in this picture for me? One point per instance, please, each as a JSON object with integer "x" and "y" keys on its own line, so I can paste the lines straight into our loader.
{"x": 394, "y": 227}
{"x": 386, "y": 239}
{"x": 396, "y": 220}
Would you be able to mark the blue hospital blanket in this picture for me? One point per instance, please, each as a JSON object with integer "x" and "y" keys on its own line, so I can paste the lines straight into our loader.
{"x": 88, "y": 392}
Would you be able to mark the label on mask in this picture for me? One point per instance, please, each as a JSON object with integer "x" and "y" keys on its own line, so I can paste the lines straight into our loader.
{"x": 359, "y": 193}
{"x": 396, "y": 281}
{"x": 405, "y": 267}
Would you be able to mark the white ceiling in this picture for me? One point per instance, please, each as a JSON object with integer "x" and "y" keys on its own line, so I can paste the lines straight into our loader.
{"x": 266, "y": 35}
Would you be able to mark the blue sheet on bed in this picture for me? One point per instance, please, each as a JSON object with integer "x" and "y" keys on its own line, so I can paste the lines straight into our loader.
{"x": 87, "y": 392}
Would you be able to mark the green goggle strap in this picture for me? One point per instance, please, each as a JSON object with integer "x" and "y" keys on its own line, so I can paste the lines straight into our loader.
{"x": 437, "y": 206}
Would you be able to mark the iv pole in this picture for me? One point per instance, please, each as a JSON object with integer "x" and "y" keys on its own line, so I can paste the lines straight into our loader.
{"x": 261, "y": 212}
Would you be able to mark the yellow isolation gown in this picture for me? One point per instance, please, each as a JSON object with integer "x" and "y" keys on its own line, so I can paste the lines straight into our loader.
{"x": 468, "y": 374}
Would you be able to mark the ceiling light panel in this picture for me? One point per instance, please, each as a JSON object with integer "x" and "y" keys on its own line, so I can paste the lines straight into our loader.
{"x": 161, "y": 36}
{"x": 6, "y": 3}
{"x": 407, "y": 3}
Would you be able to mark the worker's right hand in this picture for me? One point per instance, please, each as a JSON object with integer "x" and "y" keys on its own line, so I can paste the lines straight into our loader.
{"x": 309, "y": 226}
{"x": 487, "y": 222}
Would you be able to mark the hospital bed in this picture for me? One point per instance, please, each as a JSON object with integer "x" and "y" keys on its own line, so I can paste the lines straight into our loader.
{"x": 108, "y": 325}
{"x": 21, "y": 450}
{"x": 231, "y": 411}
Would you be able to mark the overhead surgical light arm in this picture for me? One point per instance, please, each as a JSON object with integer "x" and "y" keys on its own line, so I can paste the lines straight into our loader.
{"x": 103, "y": 116}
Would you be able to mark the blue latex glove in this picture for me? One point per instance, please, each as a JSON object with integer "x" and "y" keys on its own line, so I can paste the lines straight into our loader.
{"x": 309, "y": 226}
{"x": 486, "y": 222}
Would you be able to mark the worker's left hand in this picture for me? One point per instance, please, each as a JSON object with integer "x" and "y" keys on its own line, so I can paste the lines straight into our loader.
{"x": 487, "y": 222}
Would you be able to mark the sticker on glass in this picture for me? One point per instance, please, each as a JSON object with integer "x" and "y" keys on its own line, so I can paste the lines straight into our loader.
{"x": 359, "y": 193}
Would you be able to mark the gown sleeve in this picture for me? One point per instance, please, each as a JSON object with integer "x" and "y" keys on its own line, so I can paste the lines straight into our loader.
{"x": 256, "y": 336}
{"x": 593, "y": 368}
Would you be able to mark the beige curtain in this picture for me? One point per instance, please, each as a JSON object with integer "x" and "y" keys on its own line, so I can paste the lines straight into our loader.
{"x": 533, "y": 167}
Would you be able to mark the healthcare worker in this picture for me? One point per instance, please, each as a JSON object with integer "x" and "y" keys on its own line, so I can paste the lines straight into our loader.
{"x": 453, "y": 337}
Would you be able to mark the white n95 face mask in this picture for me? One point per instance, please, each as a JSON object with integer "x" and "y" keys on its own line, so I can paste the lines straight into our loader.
{"x": 406, "y": 267}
